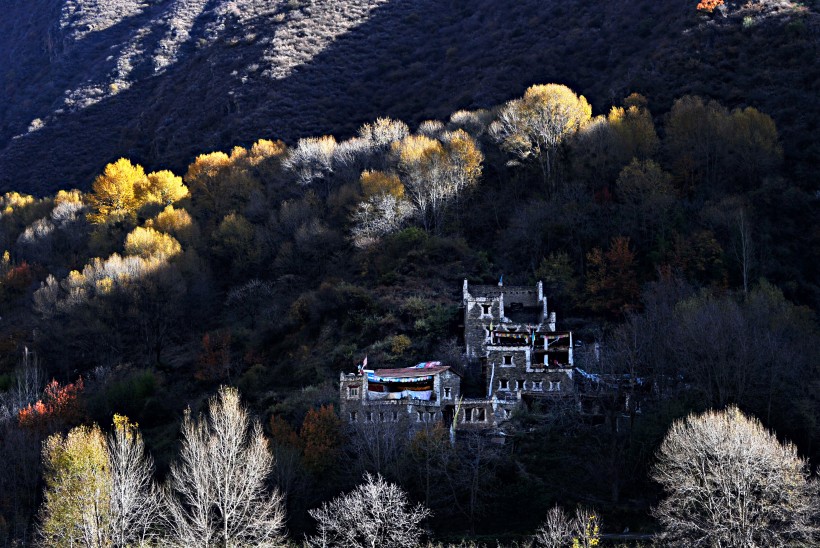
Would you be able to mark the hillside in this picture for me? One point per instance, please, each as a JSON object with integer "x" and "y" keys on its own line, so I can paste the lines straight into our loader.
{"x": 88, "y": 81}
{"x": 650, "y": 169}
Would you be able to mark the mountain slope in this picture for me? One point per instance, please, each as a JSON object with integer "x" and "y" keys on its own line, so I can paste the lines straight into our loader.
{"x": 88, "y": 81}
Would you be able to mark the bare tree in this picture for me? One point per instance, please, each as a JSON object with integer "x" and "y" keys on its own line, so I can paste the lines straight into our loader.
{"x": 376, "y": 513}
{"x": 378, "y": 445}
{"x": 134, "y": 498}
{"x": 218, "y": 494}
{"x": 384, "y": 132}
{"x": 558, "y": 531}
{"x": 312, "y": 160}
{"x": 744, "y": 247}
{"x": 29, "y": 381}
{"x": 378, "y": 216}
{"x": 252, "y": 300}
{"x": 470, "y": 469}
{"x": 731, "y": 483}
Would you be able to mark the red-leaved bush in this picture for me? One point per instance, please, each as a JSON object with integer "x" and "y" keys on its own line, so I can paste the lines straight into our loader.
{"x": 60, "y": 406}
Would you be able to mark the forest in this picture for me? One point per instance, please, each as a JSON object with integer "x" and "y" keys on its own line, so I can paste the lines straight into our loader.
{"x": 677, "y": 241}
{"x": 203, "y": 223}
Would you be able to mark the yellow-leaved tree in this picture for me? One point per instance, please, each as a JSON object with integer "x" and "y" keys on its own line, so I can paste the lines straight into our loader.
{"x": 114, "y": 192}
{"x": 533, "y": 127}
{"x": 235, "y": 243}
{"x": 375, "y": 183}
{"x": 176, "y": 222}
{"x": 754, "y": 144}
{"x": 634, "y": 132}
{"x": 266, "y": 158}
{"x": 384, "y": 208}
{"x": 76, "y": 502}
{"x": 220, "y": 183}
{"x": 147, "y": 242}
{"x": 436, "y": 171}
{"x": 161, "y": 187}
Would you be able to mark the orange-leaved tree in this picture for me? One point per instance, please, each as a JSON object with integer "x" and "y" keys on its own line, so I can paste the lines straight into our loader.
{"x": 708, "y": 6}
{"x": 321, "y": 436}
{"x": 612, "y": 283}
{"x": 59, "y": 407}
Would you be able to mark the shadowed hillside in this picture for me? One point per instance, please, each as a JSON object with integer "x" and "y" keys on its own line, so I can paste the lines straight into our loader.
{"x": 87, "y": 82}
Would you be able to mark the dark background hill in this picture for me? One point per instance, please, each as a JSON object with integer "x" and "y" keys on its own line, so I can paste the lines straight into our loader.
{"x": 88, "y": 81}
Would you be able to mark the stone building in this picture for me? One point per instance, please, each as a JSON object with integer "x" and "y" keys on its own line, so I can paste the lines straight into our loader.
{"x": 509, "y": 333}
{"x": 427, "y": 392}
{"x": 512, "y": 334}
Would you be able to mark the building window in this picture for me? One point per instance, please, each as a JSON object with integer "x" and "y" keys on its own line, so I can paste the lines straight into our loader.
{"x": 419, "y": 416}
{"x": 354, "y": 416}
{"x": 537, "y": 385}
{"x": 507, "y": 359}
{"x": 555, "y": 386}
{"x": 485, "y": 309}
{"x": 369, "y": 416}
{"x": 503, "y": 384}
{"x": 447, "y": 392}
{"x": 395, "y": 416}
{"x": 432, "y": 415}
{"x": 381, "y": 417}
{"x": 353, "y": 391}
{"x": 507, "y": 413}
{"x": 519, "y": 384}
{"x": 478, "y": 414}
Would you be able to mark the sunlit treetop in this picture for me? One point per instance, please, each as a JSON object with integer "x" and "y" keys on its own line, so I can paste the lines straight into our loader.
{"x": 163, "y": 188}
{"x": 375, "y": 183}
{"x": 114, "y": 192}
{"x": 147, "y": 242}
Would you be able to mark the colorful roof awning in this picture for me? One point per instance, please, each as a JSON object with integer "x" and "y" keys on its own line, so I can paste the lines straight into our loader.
{"x": 418, "y": 373}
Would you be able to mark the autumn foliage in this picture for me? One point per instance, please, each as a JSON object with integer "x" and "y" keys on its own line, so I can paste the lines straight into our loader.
{"x": 708, "y": 6}
{"x": 18, "y": 278}
{"x": 612, "y": 283}
{"x": 321, "y": 437}
{"x": 60, "y": 405}
{"x": 215, "y": 358}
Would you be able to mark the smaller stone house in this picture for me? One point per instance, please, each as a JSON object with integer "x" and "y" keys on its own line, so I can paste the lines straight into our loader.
{"x": 427, "y": 392}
